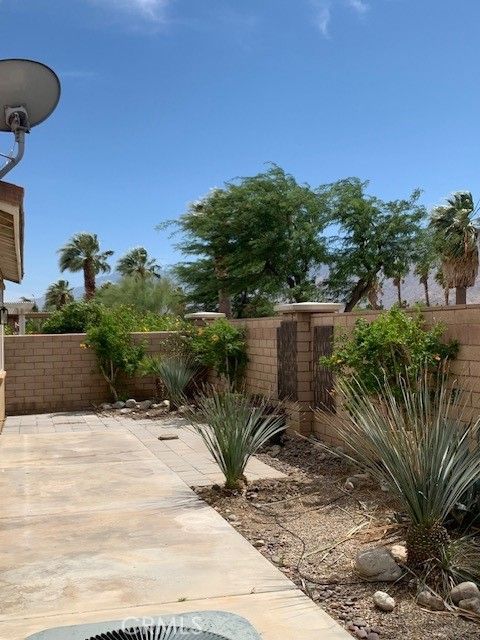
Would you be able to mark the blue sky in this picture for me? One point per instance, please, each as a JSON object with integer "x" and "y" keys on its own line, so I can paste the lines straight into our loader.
{"x": 164, "y": 99}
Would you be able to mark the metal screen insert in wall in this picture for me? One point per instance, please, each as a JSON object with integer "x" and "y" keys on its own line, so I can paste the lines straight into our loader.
{"x": 322, "y": 377}
{"x": 287, "y": 360}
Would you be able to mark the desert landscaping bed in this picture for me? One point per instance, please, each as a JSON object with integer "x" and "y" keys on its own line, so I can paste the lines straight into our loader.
{"x": 312, "y": 527}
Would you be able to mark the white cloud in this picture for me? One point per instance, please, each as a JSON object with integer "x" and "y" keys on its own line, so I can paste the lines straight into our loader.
{"x": 360, "y": 6}
{"x": 322, "y": 16}
{"x": 323, "y": 11}
{"x": 149, "y": 9}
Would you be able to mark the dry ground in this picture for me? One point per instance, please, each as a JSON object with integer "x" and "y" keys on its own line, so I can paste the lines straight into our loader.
{"x": 312, "y": 528}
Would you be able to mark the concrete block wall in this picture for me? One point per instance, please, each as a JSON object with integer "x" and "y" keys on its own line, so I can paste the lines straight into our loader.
{"x": 47, "y": 373}
{"x": 261, "y": 372}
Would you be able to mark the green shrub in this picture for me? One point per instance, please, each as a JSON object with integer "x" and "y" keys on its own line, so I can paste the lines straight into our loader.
{"x": 74, "y": 317}
{"x": 395, "y": 341}
{"x": 117, "y": 356}
{"x": 233, "y": 430}
{"x": 222, "y": 347}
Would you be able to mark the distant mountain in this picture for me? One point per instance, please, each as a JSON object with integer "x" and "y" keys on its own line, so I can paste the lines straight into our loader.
{"x": 78, "y": 292}
{"x": 412, "y": 292}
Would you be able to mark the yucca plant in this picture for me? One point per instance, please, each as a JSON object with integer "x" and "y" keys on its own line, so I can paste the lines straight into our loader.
{"x": 175, "y": 373}
{"x": 422, "y": 444}
{"x": 233, "y": 430}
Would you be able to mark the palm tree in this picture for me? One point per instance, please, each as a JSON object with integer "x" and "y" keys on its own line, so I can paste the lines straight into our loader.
{"x": 425, "y": 261}
{"x": 456, "y": 236}
{"x": 82, "y": 253}
{"x": 137, "y": 263}
{"x": 58, "y": 295}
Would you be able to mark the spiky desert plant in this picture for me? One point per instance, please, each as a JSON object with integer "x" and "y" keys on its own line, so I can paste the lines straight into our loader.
{"x": 233, "y": 430}
{"x": 174, "y": 372}
{"x": 419, "y": 442}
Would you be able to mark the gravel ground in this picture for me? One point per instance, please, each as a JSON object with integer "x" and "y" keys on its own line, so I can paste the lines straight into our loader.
{"x": 311, "y": 528}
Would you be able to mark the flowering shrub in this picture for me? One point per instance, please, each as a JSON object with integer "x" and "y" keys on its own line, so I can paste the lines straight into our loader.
{"x": 221, "y": 347}
{"x": 394, "y": 342}
{"x": 111, "y": 340}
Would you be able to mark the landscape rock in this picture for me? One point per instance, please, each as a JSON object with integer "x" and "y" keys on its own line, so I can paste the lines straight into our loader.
{"x": 464, "y": 591}
{"x": 259, "y": 543}
{"x": 383, "y": 601}
{"x": 373, "y": 636}
{"x": 430, "y": 601}
{"x": 131, "y": 403}
{"x": 145, "y": 405}
{"x": 126, "y": 410}
{"x": 399, "y": 553}
{"x": 470, "y": 604}
{"x": 118, "y": 405}
{"x": 168, "y": 436}
{"x": 359, "y": 480}
{"x": 377, "y": 565}
{"x": 106, "y": 406}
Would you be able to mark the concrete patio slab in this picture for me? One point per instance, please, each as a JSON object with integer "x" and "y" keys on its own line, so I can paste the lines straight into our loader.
{"x": 187, "y": 455}
{"x": 49, "y": 449}
{"x": 30, "y": 491}
{"x": 282, "y": 615}
{"x": 83, "y": 538}
{"x": 113, "y": 558}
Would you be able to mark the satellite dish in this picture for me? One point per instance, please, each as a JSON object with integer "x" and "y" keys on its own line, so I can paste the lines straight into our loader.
{"x": 29, "y": 93}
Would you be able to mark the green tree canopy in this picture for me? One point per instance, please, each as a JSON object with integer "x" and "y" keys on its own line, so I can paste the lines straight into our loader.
{"x": 370, "y": 237}
{"x": 160, "y": 296}
{"x": 257, "y": 235}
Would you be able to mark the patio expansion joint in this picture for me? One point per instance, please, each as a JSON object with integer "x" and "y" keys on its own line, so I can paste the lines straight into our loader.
{"x": 160, "y": 603}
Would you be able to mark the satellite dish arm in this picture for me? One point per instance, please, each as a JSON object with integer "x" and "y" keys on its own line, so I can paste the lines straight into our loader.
{"x": 12, "y": 162}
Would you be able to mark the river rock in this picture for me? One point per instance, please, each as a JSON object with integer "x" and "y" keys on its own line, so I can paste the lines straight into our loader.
{"x": 430, "y": 601}
{"x": 118, "y": 405}
{"x": 464, "y": 591}
{"x": 377, "y": 565}
{"x": 470, "y": 604}
{"x": 131, "y": 403}
{"x": 145, "y": 405}
{"x": 383, "y": 601}
{"x": 399, "y": 553}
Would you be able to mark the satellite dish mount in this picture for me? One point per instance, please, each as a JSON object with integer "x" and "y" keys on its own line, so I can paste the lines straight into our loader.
{"x": 29, "y": 93}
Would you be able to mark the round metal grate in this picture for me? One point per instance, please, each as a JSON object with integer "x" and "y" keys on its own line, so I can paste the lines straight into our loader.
{"x": 157, "y": 633}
